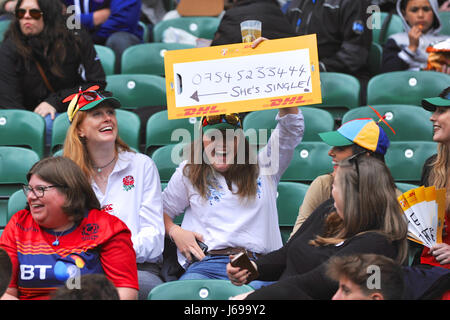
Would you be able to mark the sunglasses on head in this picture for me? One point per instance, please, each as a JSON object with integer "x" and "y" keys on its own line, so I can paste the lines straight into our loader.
{"x": 34, "y": 13}
{"x": 231, "y": 118}
{"x": 89, "y": 96}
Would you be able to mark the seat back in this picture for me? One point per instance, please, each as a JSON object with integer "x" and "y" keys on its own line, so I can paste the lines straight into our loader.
{"x": 445, "y": 22}
{"x": 405, "y": 87}
{"x": 405, "y": 159}
{"x": 395, "y": 26}
{"x": 15, "y": 162}
{"x": 316, "y": 121}
{"x": 137, "y": 90}
{"x": 22, "y": 128}
{"x": 375, "y": 58}
{"x": 201, "y": 27}
{"x": 289, "y": 199}
{"x": 160, "y": 131}
{"x": 107, "y": 58}
{"x": 4, "y": 25}
{"x": 167, "y": 158}
{"x": 16, "y": 202}
{"x": 340, "y": 93}
{"x": 59, "y": 132}
{"x": 148, "y": 58}
{"x": 310, "y": 159}
{"x": 206, "y": 289}
{"x": 404, "y": 187}
{"x": 408, "y": 121}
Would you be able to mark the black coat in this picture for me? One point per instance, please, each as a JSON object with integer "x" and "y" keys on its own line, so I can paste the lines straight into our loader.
{"x": 274, "y": 24}
{"x": 22, "y": 87}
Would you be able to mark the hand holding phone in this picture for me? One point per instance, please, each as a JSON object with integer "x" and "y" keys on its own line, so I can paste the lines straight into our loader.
{"x": 241, "y": 260}
{"x": 203, "y": 247}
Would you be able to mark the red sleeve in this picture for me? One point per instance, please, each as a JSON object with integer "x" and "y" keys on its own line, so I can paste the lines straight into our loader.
{"x": 119, "y": 260}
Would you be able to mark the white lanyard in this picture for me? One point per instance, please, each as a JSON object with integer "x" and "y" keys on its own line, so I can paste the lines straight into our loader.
{"x": 78, "y": 7}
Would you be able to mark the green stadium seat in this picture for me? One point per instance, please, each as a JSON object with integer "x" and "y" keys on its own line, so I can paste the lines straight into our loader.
{"x": 409, "y": 122}
{"x": 403, "y": 187}
{"x": 137, "y": 90}
{"x": 375, "y": 58}
{"x": 445, "y": 21}
{"x": 340, "y": 93}
{"x": 148, "y": 58}
{"x": 16, "y": 202}
{"x": 201, "y": 27}
{"x": 316, "y": 120}
{"x": 310, "y": 160}
{"x": 405, "y": 87}
{"x": 395, "y": 26}
{"x": 159, "y": 130}
{"x": 145, "y": 31}
{"x": 22, "y": 128}
{"x": 15, "y": 162}
{"x": 405, "y": 159}
{"x": 59, "y": 131}
{"x": 206, "y": 289}
{"x": 165, "y": 162}
{"x": 289, "y": 199}
{"x": 4, "y": 25}
{"x": 107, "y": 58}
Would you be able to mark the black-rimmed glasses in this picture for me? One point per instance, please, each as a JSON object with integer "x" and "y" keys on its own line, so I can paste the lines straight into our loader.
{"x": 38, "y": 191}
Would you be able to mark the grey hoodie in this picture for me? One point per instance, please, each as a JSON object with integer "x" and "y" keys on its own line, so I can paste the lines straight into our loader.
{"x": 417, "y": 60}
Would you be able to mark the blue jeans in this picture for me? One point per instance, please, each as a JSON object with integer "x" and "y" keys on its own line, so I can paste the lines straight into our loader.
{"x": 48, "y": 128}
{"x": 215, "y": 267}
{"x": 118, "y": 42}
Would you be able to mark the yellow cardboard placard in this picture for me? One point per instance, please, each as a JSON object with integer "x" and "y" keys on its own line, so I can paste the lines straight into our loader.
{"x": 238, "y": 78}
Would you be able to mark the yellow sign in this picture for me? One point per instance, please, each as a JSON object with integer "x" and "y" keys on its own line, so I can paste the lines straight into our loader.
{"x": 237, "y": 78}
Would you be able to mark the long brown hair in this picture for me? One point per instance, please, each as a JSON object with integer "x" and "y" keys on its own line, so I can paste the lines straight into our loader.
{"x": 64, "y": 173}
{"x": 439, "y": 173}
{"x": 370, "y": 205}
{"x": 243, "y": 175}
{"x": 75, "y": 146}
{"x": 53, "y": 44}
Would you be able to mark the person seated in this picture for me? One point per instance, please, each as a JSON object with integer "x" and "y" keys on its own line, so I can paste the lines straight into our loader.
{"x": 228, "y": 193}
{"x": 63, "y": 233}
{"x": 366, "y": 277}
{"x": 125, "y": 182}
{"x": 91, "y": 287}
{"x": 274, "y": 23}
{"x": 113, "y": 23}
{"x": 42, "y": 61}
{"x": 407, "y": 50}
{"x": 366, "y": 218}
{"x": 5, "y": 271}
{"x": 345, "y": 142}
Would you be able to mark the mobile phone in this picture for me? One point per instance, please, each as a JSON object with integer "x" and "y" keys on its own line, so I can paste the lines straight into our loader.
{"x": 242, "y": 261}
{"x": 203, "y": 247}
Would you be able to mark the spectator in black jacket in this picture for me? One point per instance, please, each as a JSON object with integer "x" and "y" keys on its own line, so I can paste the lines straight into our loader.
{"x": 42, "y": 61}
{"x": 274, "y": 23}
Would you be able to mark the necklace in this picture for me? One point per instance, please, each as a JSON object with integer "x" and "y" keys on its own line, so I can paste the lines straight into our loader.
{"x": 56, "y": 242}
{"x": 99, "y": 169}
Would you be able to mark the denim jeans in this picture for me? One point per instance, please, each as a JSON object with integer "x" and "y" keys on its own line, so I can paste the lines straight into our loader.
{"x": 118, "y": 42}
{"x": 214, "y": 267}
{"x": 149, "y": 276}
{"x": 48, "y": 128}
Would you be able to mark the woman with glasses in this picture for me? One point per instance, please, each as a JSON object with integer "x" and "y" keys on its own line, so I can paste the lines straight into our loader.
{"x": 228, "y": 193}
{"x": 45, "y": 57}
{"x": 436, "y": 172}
{"x": 63, "y": 234}
{"x": 365, "y": 218}
{"x": 125, "y": 182}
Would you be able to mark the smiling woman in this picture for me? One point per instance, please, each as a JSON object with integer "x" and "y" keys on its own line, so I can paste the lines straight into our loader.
{"x": 125, "y": 182}
{"x": 47, "y": 239}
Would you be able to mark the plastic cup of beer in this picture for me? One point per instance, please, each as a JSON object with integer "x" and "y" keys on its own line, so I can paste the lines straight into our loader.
{"x": 250, "y": 30}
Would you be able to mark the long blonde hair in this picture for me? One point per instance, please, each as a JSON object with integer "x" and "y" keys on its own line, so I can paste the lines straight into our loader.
{"x": 371, "y": 205}
{"x": 439, "y": 173}
{"x": 75, "y": 146}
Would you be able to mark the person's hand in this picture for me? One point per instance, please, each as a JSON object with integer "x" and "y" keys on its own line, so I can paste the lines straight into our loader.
{"x": 414, "y": 35}
{"x": 238, "y": 276}
{"x": 100, "y": 16}
{"x": 186, "y": 242}
{"x": 10, "y": 6}
{"x": 45, "y": 108}
{"x": 445, "y": 6}
{"x": 441, "y": 253}
{"x": 258, "y": 41}
{"x": 241, "y": 296}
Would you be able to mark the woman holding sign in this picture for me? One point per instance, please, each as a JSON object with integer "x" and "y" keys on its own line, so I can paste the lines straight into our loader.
{"x": 228, "y": 195}
{"x": 437, "y": 172}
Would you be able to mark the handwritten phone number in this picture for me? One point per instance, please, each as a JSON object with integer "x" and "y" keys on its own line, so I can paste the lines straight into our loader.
{"x": 259, "y": 73}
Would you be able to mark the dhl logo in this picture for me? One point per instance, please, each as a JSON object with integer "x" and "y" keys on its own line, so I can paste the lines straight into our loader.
{"x": 200, "y": 111}
{"x": 285, "y": 101}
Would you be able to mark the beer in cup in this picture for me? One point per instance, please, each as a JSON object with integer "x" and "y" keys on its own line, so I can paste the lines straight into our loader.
{"x": 250, "y": 30}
